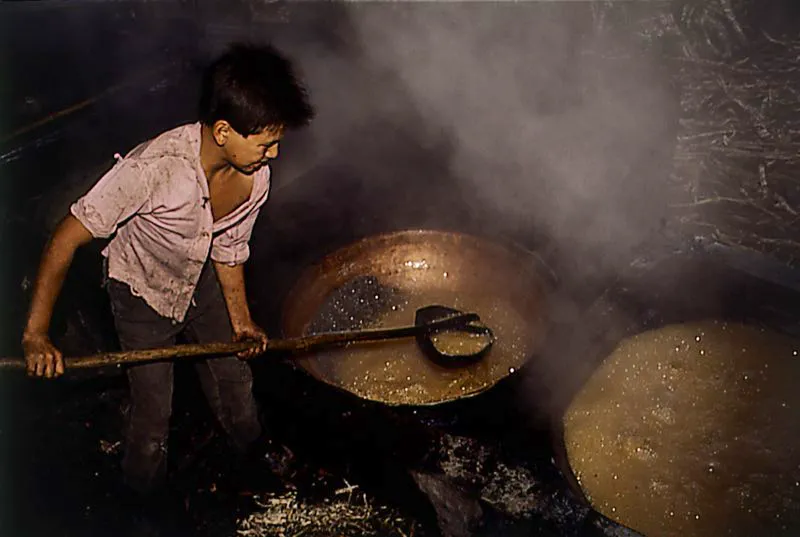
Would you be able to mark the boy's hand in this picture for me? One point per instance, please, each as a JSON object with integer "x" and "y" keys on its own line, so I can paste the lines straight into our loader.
{"x": 250, "y": 332}
{"x": 41, "y": 357}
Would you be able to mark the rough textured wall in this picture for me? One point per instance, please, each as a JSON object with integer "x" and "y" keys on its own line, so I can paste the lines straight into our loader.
{"x": 735, "y": 64}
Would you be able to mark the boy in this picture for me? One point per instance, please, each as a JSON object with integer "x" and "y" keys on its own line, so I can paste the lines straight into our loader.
{"x": 180, "y": 209}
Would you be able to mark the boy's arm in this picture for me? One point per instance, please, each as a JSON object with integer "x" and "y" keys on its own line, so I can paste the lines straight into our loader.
{"x": 231, "y": 279}
{"x": 116, "y": 196}
{"x": 42, "y": 358}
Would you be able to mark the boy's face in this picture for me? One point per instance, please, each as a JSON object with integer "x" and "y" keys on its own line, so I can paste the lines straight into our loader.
{"x": 249, "y": 153}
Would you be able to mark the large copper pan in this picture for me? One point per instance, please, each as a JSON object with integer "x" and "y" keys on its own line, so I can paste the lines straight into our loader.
{"x": 506, "y": 285}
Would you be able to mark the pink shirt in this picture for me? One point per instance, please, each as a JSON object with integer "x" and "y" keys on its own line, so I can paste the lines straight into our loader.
{"x": 155, "y": 203}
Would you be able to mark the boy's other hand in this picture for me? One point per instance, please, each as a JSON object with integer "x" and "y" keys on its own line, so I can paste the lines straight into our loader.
{"x": 41, "y": 356}
{"x": 251, "y": 332}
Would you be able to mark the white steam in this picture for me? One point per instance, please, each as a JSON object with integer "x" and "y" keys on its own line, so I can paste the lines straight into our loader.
{"x": 547, "y": 131}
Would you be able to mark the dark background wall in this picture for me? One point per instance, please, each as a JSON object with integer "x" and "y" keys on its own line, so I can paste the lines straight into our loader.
{"x": 81, "y": 81}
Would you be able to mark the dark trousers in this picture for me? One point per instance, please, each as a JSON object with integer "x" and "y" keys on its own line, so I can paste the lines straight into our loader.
{"x": 227, "y": 382}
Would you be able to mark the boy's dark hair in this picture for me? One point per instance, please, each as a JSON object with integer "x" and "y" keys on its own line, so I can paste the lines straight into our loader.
{"x": 253, "y": 87}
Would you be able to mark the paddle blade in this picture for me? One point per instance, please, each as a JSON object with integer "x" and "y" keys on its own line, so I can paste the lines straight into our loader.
{"x": 454, "y": 346}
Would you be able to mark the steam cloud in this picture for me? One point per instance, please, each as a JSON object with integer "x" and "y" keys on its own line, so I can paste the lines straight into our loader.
{"x": 551, "y": 126}
{"x": 540, "y": 120}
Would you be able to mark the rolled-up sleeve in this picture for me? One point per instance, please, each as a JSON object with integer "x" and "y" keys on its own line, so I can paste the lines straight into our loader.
{"x": 232, "y": 246}
{"x": 117, "y": 196}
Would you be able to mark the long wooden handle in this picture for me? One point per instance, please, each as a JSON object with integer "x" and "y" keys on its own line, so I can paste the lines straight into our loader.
{"x": 209, "y": 349}
{"x": 138, "y": 356}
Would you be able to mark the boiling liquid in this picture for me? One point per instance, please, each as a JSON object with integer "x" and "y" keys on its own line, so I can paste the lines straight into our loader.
{"x": 692, "y": 430}
{"x": 397, "y": 371}
{"x": 459, "y": 342}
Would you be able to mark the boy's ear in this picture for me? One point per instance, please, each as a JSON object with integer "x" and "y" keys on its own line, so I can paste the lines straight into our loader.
{"x": 221, "y": 130}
